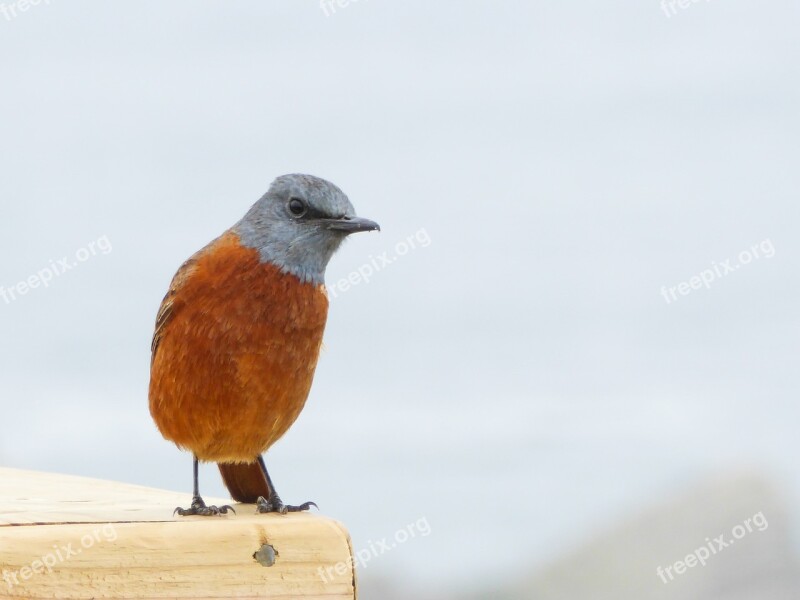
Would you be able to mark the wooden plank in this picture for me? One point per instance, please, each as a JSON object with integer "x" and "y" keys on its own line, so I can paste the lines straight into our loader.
{"x": 72, "y": 537}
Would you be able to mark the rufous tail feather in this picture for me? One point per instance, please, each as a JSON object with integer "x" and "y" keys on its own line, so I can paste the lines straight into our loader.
{"x": 246, "y": 482}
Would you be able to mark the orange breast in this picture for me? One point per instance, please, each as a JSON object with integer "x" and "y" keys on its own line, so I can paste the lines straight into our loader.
{"x": 235, "y": 353}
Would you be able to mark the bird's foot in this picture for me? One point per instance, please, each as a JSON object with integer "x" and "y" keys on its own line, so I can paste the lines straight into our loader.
{"x": 199, "y": 508}
{"x": 275, "y": 505}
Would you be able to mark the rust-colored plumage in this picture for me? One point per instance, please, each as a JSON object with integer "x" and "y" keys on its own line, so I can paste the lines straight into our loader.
{"x": 234, "y": 353}
{"x": 238, "y": 336}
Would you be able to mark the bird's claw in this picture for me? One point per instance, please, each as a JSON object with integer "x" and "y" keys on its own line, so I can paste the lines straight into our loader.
{"x": 275, "y": 505}
{"x": 199, "y": 508}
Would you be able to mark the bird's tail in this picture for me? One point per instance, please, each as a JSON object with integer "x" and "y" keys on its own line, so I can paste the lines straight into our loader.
{"x": 246, "y": 482}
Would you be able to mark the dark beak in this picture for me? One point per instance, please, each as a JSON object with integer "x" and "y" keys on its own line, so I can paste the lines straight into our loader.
{"x": 350, "y": 225}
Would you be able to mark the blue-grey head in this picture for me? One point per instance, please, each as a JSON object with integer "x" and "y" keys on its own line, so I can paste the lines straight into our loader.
{"x": 299, "y": 224}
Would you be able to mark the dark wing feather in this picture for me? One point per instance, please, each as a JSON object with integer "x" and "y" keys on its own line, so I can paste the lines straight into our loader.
{"x": 166, "y": 310}
{"x": 167, "y": 305}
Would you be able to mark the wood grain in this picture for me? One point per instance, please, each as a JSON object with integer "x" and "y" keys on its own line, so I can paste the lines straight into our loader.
{"x": 111, "y": 540}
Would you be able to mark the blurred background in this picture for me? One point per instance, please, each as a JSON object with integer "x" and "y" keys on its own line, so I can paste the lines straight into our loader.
{"x": 544, "y": 383}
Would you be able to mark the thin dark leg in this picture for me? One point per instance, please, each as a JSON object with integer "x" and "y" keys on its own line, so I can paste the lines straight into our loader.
{"x": 196, "y": 471}
{"x": 198, "y": 506}
{"x": 274, "y": 503}
{"x": 271, "y": 485}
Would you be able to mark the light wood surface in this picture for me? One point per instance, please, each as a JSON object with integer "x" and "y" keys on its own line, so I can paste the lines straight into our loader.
{"x": 72, "y": 537}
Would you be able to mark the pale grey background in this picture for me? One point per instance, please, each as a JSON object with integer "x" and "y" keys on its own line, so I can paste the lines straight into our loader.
{"x": 521, "y": 383}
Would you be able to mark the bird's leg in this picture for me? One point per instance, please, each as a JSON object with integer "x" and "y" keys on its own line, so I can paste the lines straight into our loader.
{"x": 198, "y": 506}
{"x": 274, "y": 503}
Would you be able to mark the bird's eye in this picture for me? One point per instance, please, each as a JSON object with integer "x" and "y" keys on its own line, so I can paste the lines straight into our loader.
{"x": 297, "y": 207}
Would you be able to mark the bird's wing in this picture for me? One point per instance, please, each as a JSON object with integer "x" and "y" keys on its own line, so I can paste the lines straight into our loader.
{"x": 166, "y": 310}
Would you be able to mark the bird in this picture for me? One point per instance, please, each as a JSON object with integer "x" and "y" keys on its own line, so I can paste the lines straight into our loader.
{"x": 239, "y": 333}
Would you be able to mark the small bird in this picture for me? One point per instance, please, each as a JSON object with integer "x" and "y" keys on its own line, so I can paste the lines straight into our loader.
{"x": 239, "y": 333}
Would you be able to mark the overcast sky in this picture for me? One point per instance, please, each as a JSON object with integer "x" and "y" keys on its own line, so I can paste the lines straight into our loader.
{"x": 521, "y": 375}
